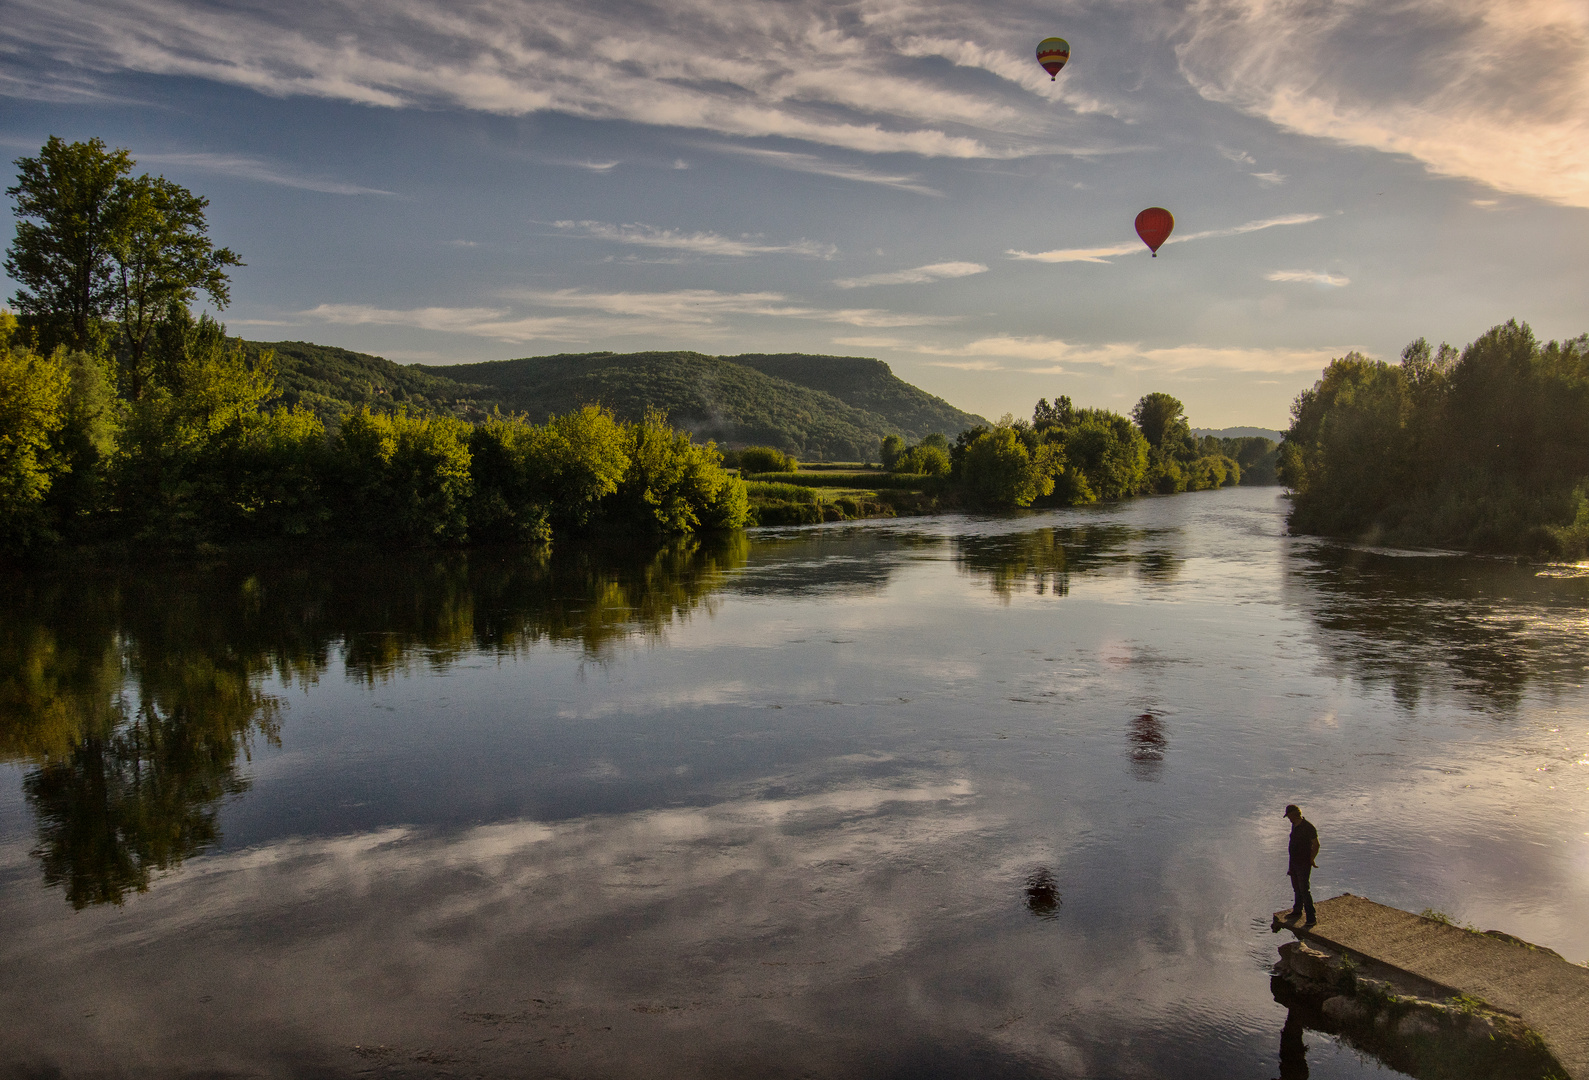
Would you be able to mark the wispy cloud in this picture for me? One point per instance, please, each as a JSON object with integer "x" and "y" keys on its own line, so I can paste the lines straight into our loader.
{"x": 1312, "y": 277}
{"x": 802, "y": 70}
{"x": 257, "y": 169}
{"x": 1497, "y": 92}
{"x": 691, "y": 312}
{"x": 811, "y": 163}
{"x": 701, "y": 243}
{"x": 1103, "y": 254}
{"x": 920, "y": 275}
{"x": 1056, "y": 356}
{"x": 594, "y": 166}
{"x": 1270, "y": 178}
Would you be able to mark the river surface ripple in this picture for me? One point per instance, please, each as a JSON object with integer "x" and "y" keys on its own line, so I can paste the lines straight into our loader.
{"x": 957, "y": 796}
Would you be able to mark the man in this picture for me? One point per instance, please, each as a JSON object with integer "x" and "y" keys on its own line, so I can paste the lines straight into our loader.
{"x": 1304, "y": 850}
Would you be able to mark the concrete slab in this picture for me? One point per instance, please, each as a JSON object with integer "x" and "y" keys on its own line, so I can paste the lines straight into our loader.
{"x": 1548, "y": 993}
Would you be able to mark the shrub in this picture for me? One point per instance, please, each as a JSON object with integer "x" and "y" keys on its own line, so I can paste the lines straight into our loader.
{"x": 765, "y": 459}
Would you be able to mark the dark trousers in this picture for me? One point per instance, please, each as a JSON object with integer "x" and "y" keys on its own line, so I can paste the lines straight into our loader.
{"x": 1299, "y": 886}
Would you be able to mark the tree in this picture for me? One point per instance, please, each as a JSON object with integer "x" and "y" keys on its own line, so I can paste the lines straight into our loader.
{"x": 95, "y": 244}
{"x": 998, "y": 471}
{"x": 163, "y": 257}
{"x": 33, "y": 396}
{"x": 63, "y": 255}
{"x": 1162, "y": 419}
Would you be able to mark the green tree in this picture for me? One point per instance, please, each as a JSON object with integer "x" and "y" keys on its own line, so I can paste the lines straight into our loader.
{"x": 164, "y": 258}
{"x": 999, "y": 471}
{"x": 63, "y": 256}
{"x": 34, "y": 391}
{"x": 889, "y": 450}
{"x": 405, "y": 479}
{"x": 1162, "y": 419}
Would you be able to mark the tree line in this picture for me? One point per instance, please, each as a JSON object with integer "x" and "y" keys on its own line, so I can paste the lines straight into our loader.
{"x": 125, "y": 419}
{"x": 1065, "y": 456}
{"x": 1486, "y": 448}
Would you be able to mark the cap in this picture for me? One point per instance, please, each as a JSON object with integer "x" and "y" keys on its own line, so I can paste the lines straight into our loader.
{"x": 1290, "y": 807}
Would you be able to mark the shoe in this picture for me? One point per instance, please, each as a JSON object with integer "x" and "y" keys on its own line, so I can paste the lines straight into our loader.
{"x": 1310, "y": 924}
{"x": 1293, "y": 916}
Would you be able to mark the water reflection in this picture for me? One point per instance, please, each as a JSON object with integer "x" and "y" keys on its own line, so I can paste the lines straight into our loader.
{"x": 1043, "y": 559}
{"x": 1293, "y": 1051}
{"x": 1421, "y": 624}
{"x": 1042, "y": 894}
{"x": 137, "y": 697}
{"x": 1148, "y": 741}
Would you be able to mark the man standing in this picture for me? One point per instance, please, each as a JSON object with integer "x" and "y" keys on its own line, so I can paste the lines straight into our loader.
{"x": 1304, "y": 849}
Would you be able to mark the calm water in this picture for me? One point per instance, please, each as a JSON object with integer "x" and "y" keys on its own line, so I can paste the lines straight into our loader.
{"x": 952, "y": 797}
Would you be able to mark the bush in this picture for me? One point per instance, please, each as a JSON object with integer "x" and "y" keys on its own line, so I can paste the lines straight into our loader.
{"x": 34, "y": 391}
{"x": 765, "y": 459}
{"x": 404, "y": 478}
{"x": 923, "y": 460}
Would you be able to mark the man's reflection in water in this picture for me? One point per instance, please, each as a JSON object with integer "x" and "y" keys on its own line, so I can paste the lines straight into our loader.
{"x": 1293, "y": 1051}
{"x": 1042, "y": 894}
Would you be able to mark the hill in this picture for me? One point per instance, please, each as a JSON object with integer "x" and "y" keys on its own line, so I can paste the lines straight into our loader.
{"x": 1240, "y": 433}
{"x": 816, "y": 407}
{"x": 328, "y": 379}
{"x": 820, "y": 407}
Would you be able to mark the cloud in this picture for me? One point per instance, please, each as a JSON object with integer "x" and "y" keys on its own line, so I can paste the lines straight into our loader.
{"x": 1271, "y": 178}
{"x": 1101, "y": 254}
{"x": 1314, "y": 277}
{"x": 682, "y": 311}
{"x": 870, "y": 342}
{"x": 701, "y": 243}
{"x": 1240, "y": 157}
{"x": 252, "y": 168}
{"x": 1495, "y": 92}
{"x": 839, "y": 77}
{"x": 811, "y": 163}
{"x": 594, "y": 166}
{"x": 1062, "y": 357}
{"x": 921, "y": 275}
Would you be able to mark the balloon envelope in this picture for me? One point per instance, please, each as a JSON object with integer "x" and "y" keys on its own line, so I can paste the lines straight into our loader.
{"x": 1154, "y": 225}
{"x": 1052, "y": 54}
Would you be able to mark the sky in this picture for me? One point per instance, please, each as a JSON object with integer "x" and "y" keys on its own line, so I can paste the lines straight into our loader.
{"x": 445, "y": 181}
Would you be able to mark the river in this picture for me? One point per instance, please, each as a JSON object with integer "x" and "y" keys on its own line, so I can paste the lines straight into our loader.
{"x": 992, "y": 796}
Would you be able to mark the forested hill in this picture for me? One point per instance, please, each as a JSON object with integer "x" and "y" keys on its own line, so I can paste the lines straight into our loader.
{"x": 816, "y": 407}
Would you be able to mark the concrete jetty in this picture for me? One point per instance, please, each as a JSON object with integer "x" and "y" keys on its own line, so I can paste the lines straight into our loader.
{"x": 1438, "y": 960}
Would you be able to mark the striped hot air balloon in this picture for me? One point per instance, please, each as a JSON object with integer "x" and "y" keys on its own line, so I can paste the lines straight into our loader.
{"x": 1052, "y": 54}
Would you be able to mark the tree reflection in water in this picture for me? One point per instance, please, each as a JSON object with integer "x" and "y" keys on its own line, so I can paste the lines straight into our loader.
{"x": 135, "y": 697}
{"x": 1418, "y": 624}
{"x": 1044, "y": 559}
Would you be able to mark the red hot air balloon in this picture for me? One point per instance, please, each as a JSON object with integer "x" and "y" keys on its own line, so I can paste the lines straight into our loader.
{"x": 1154, "y": 225}
{"x": 1052, "y": 54}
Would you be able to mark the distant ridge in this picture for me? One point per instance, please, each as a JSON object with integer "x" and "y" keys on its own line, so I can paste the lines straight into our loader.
{"x": 1240, "y": 433}
{"x": 816, "y": 407}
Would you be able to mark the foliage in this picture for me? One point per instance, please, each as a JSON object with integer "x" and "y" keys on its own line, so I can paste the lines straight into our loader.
{"x": 62, "y": 255}
{"x": 998, "y": 470}
{"x": 95, "y": 244}
{"x": 1486, "y": 449}
{"x": 404, "y": 478}
{"x": 675, "y": 485}
{"x": 766, "y": 459}
{"x": 34, "y": 394}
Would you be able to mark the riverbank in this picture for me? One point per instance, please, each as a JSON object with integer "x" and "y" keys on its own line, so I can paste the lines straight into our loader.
{"x": 1434, "y": 999}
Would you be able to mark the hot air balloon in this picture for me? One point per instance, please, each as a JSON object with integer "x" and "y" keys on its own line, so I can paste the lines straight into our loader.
{"x": 1154, "y": 225}
{"x": 1052, "y": 54}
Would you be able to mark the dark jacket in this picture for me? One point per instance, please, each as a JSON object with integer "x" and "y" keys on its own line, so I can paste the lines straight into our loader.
{"x": 1303, "y": 837}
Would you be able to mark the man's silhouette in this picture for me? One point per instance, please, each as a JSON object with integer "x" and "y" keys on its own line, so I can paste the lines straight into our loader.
{"x": 1303, "y": 850}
